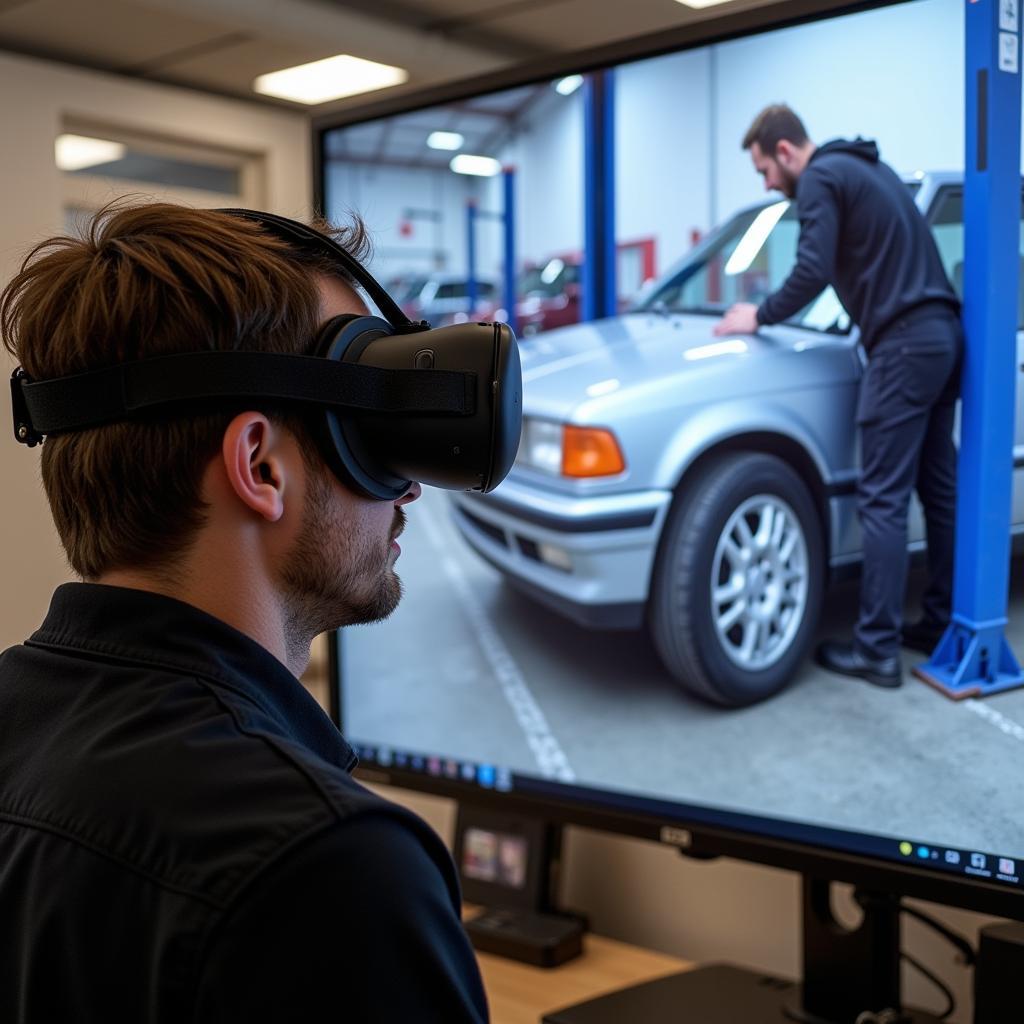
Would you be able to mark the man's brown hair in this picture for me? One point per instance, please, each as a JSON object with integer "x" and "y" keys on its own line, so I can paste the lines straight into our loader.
{"x": 771, "y": 126}
{"x": 147, "y": 280}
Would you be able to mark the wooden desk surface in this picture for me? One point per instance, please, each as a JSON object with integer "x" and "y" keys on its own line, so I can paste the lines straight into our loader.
{"x": 521, "y": 994}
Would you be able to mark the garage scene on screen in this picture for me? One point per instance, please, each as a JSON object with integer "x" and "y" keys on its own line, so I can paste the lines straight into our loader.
{"x": 547, "y": 607}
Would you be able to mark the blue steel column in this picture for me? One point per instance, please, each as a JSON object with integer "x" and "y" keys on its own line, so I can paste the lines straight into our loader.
{"x": 471, "y": 289}
{"x": 973, "y": 658}
{"x": 509, "y": 220}
{"x": 600, "y": 296}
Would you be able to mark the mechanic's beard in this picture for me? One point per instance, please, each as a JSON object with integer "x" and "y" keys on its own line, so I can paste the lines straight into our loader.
{"x": 327, "y": 584}
{"x": 788, "y": 188}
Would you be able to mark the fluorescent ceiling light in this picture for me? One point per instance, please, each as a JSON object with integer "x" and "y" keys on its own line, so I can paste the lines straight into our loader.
{"x": 482, "y": 166}
{"x": 74, "y": 152}
{"x": 754, "y": 238}
{"x": 445, "y": 140}
{"x": 329, "y": 79}
{"x": 567, "y": 86}
{"x": 701, "y": 3}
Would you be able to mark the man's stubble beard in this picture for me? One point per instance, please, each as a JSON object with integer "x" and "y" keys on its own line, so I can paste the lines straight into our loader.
{"x": 788, "y": 183}
{"x": 325, "y": 583}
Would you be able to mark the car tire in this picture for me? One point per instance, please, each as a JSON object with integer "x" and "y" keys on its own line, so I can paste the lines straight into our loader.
{"x": 704, "y": 560}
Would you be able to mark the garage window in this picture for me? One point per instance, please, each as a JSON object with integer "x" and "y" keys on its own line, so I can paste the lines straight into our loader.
{"x": 99, "y": 164}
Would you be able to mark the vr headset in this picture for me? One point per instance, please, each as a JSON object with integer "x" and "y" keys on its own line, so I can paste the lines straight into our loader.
{"x": 391, "y": 400}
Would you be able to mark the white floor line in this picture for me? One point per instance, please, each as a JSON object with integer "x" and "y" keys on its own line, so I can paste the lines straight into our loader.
{"x": 1000, "y": 721}
{"x": 551, "y": 759}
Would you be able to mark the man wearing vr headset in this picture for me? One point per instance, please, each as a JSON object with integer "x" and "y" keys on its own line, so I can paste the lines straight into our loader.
{"x": 180, "y": 838}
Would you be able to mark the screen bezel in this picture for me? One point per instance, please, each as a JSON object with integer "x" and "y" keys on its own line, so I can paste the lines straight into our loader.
{"x": 690, "y": 836}
{"x": 693, "y": 838}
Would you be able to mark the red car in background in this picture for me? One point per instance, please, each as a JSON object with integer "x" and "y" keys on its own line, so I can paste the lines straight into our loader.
{"x": 549, "y": 294}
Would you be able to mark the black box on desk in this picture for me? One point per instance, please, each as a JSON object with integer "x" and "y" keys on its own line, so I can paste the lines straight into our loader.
{"x": 543, "y": 940}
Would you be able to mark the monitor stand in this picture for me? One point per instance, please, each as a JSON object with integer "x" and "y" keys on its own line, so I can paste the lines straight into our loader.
{"x": 846, "y": 972}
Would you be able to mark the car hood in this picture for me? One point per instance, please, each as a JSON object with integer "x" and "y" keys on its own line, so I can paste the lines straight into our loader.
{"x": 576, "y": 372}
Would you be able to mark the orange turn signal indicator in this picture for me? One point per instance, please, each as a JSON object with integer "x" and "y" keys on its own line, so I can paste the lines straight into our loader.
{"x": 590, "y": 451}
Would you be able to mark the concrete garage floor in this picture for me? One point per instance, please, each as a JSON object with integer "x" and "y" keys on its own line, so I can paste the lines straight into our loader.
{"x": 468, "y": 668}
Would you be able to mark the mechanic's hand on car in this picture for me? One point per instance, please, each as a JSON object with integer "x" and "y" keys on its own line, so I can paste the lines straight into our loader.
{"x": 740, "y": 319}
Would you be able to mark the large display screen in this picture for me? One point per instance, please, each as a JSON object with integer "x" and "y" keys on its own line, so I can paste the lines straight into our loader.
{"x": 627, "y": 621}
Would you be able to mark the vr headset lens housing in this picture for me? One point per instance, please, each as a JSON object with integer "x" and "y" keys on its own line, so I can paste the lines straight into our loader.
{"x": 380, "y": 453}
{"x": 393, "y": 400}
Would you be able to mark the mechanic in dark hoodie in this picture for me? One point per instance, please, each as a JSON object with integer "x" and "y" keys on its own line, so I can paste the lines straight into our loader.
{"x": 861, "y": 232}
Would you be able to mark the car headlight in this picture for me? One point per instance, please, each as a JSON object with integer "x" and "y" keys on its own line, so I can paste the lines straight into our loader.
{"x": 540, "y": 446}
{"x": 569, "y": 450}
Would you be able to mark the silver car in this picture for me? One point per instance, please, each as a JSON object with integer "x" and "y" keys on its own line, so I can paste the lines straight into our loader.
{"x": 701, "y": 486}
{"x": 444, "y": 298}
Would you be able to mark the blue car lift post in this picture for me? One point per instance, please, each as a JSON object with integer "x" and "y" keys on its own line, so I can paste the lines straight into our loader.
{"x": 508, "y": 219}
{"x": 600, "y": 297}
{"x": 973, "y": 658}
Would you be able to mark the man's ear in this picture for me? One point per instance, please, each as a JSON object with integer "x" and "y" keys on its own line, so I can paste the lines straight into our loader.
{"x": 253, "y": 464}
{"x": 784, "y": 154}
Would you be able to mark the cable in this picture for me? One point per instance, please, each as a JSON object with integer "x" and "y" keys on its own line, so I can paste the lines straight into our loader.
{"x": 937, "y": 982}
{"x": 967, "y": 956}
{"x": 955, "y": 938}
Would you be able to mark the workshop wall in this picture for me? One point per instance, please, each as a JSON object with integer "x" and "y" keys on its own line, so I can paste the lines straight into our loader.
{"x": 37, "y": 99}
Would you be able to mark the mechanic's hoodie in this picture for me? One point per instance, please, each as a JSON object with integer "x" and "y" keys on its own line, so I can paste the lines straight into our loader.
{"x": 860, "y": 232}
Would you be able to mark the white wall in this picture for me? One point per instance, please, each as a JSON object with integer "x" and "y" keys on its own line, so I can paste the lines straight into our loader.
{"x": 663, "y": 131}
{"x": 381, "y": 195}
{"x": 35, "y": 98}
{"x": 895, "y": 75}
{"x": 548, "y": 157}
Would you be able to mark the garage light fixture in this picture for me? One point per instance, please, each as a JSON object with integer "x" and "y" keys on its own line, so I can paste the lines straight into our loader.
{"x": 481, "y": 166}
{"x": 754, "y": 238}
{"x": 445, "y": 140}
{"x": 698, "y": 4}
{"x": 568, "y": 85}
{"x": 76, "y": 152}
{"x": 329, "y": 79}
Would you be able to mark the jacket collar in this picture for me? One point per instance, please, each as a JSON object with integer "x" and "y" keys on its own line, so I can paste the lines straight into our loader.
{"x": 139, "y": 626}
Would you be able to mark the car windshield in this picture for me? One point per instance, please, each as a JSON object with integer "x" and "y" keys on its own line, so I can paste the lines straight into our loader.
{"x": 549, "y": 280}
{"x": 404, "y": 289}
{"x": 460, "y": 290}
{"x": 745, "y": 261}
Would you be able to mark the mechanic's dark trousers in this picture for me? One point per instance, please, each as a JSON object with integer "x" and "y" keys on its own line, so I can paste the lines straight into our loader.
{"x": 905, "y": 415}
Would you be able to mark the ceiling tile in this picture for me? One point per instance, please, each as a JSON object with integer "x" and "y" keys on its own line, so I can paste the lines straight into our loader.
{"x": 84, "y": 31}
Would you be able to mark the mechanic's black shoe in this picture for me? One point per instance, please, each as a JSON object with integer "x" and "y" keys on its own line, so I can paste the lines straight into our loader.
{"x": 848, "y": 661}
{"x": 923, "y": 635}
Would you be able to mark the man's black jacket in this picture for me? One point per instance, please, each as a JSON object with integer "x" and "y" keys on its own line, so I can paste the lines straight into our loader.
{"x": 180, "y": 839}
{"x": 861, "y": 232}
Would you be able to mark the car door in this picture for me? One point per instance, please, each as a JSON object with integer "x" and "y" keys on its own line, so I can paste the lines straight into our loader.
{"x": 946, "y": 219}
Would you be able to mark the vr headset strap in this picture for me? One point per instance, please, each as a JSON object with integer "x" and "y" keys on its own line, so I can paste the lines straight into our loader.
{"x": 118, "y": 392}
{"x": 311, "y": 239}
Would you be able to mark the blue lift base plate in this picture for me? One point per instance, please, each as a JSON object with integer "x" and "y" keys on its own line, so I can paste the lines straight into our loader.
{"x": 963, "y": 664}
